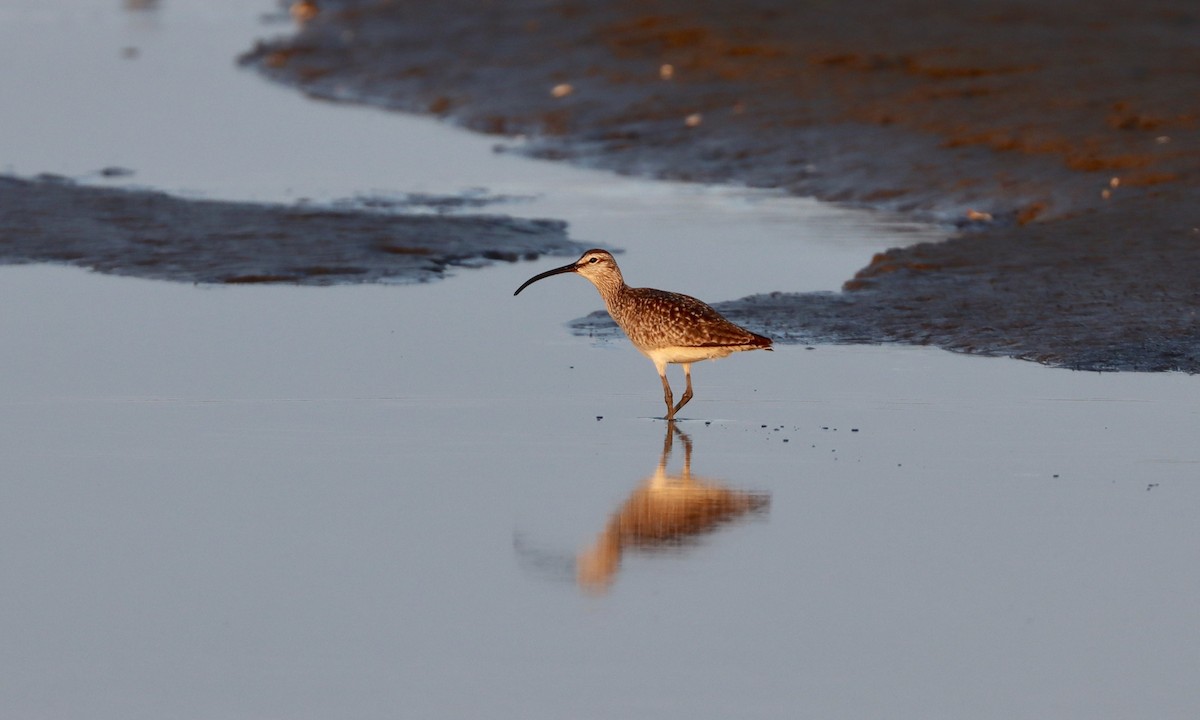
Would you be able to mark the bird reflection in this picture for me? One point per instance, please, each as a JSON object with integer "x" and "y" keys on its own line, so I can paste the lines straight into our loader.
{"x": 665, "y": 511}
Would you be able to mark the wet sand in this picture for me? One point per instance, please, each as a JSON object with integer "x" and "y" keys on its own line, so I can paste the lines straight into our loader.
{"x": 1079, "y": 293}
{"x": 154, "y": 235}
{"x": 1059, "y": 141}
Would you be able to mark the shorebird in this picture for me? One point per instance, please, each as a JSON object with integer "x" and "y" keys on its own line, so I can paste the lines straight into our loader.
{"x": 664, "y": 326}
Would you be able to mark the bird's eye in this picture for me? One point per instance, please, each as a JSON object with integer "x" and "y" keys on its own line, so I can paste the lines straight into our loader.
{"x": 594, "y": 260}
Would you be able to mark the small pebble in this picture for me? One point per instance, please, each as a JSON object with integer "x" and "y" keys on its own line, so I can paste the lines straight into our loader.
{"x": 304, "y": 10}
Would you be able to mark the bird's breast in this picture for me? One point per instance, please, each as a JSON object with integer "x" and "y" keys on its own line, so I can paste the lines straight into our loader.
{"x": 685, "y": 354}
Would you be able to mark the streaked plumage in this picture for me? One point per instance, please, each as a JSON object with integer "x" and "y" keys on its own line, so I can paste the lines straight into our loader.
{"x": 664, "y": 326}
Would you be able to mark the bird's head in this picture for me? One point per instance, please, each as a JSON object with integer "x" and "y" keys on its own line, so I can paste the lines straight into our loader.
{"x": 596, "y": 265}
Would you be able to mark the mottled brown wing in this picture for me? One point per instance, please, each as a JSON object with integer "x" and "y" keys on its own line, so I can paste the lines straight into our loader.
{"x": 657, "y": 318}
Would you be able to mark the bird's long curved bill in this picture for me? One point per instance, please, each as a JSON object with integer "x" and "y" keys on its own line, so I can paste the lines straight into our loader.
{"x": 548, "y": 273}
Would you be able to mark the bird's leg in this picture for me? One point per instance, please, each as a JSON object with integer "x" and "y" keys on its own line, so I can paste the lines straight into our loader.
{"x": 687, "y": 394}
{"x": 667, "y": 395}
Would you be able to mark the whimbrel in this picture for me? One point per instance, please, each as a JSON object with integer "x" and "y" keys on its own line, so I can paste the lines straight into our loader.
{"x": 664, "y": 326}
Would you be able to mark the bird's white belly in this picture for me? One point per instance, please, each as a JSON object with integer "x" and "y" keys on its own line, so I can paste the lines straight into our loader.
{"x": 684, "y": 354}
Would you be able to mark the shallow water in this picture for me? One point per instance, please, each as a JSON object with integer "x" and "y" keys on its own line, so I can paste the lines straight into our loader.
{"x": 285, "y": 502}
{"x": 367, "y": 502}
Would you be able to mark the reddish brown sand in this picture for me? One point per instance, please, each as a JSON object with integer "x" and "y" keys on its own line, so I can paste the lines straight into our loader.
{"x": 1060, "y": 140}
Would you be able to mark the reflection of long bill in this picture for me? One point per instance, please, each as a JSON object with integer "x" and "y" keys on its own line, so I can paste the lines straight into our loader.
{"x": 665, "y": 511}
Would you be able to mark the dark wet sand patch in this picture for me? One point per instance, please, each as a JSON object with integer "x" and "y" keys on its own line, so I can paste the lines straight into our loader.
{"x": 1129, "y": 302}
{"x": 154, "y": 235}
{"x": 1060, "y": 141}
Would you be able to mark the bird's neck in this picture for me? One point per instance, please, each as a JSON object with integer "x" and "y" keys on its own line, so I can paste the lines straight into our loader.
{"x": 610, "y": 287}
